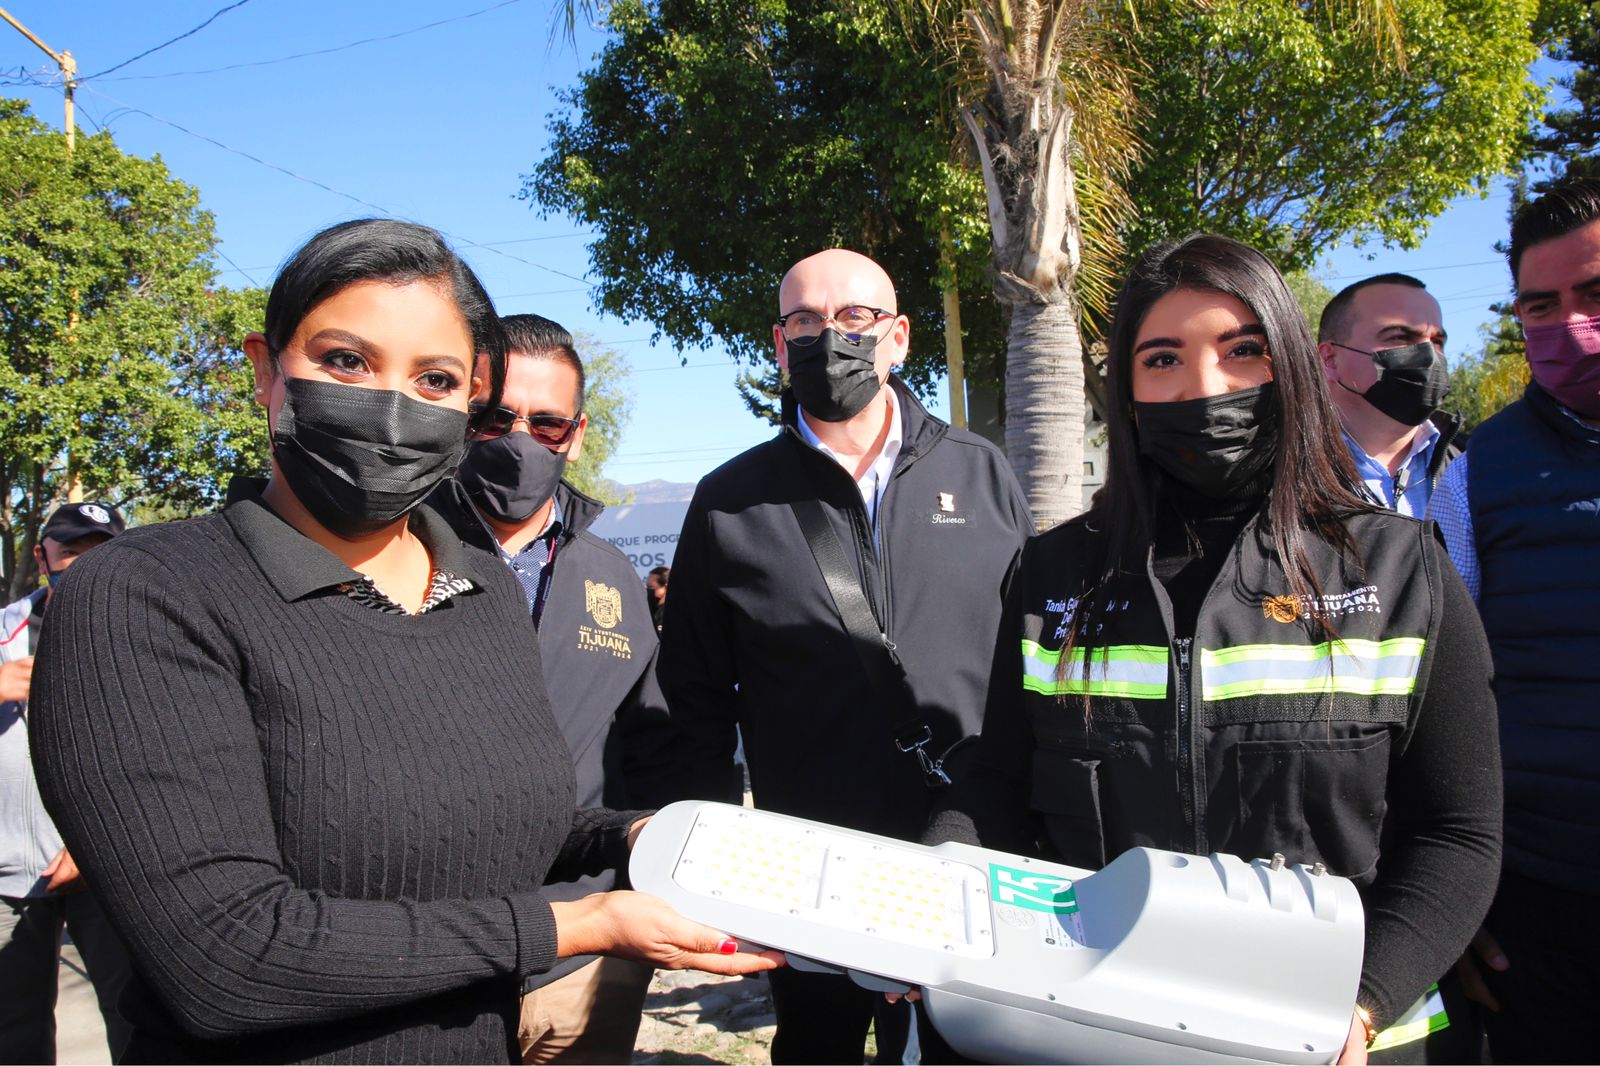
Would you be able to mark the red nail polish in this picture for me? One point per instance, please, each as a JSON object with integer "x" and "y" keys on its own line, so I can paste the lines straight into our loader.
{"x": 728, "y": 947}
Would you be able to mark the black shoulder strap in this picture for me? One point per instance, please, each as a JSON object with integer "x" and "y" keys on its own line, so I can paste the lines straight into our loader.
{"x": 874, "y": 648}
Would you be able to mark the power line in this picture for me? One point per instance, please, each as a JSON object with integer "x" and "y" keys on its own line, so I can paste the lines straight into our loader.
{"x": 542, "y": 292}
{"x": 243, "y": 154}
{"x": 319, "y": 51}
{"x": 527, "y": 240}
{"x": 459, "y": 242}
{"x": 1423, "y": 270}
{"x": 163, "y": 44}
{"x": 685, "y": 366}
{"x": 1480, "y": 290}
{"x": 239, "y": 268}
{"x": 463, "y": 243}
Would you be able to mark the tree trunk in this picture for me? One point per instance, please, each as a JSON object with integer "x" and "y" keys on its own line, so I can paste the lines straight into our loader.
{"x": 954, "y": 356}
{"x": 1044, "y": 408}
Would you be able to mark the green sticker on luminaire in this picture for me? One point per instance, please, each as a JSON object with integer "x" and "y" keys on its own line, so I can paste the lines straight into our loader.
{"x": 1031, "y": 889}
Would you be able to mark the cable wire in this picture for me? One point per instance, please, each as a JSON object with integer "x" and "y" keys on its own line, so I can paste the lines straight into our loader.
{"x": 320, "y": 51}
{"x": 253, "y": 282}
{"x": 243, "y": 154}
{"x": 459, "y": 242}
{"x": 163, "y": 44}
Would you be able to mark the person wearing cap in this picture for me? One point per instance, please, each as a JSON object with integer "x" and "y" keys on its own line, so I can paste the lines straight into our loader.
{"x": 40, "y": 890}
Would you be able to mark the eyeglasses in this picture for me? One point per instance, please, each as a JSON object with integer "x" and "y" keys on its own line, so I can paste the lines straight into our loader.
{"x": 803, "y": 327}
{"x": 550, "y": 430}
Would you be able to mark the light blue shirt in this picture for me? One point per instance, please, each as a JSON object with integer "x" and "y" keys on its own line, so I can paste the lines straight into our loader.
{"x": 1450, "y": 510}
{"x": 1408, "y": 490}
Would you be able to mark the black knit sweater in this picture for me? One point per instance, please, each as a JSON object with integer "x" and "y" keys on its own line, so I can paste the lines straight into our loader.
{"x": 320, "y": 828}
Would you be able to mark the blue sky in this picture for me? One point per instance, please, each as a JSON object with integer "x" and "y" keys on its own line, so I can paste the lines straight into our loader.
{"x": 438, "y": 125}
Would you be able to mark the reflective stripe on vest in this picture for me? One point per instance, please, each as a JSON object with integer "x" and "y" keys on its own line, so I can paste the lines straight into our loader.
{"x": 1132, "y": 671}
{"x": 1358, "y": 667}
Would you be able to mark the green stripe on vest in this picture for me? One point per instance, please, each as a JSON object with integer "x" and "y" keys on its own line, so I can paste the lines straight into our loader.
{"x": 1130, "y": 671}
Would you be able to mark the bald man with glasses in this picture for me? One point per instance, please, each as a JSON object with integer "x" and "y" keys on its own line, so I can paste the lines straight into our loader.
{"x": 850, "y": 691}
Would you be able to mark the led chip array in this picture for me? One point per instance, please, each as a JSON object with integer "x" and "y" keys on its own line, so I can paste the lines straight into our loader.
{"x": 844, "y": 882}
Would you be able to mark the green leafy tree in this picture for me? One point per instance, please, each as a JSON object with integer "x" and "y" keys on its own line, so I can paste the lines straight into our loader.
{"x": 1310, "y": 293}
{"x": 763, "y": 394}
{"x": 121, "y": 372}
{"x": 1570, "y": 140}
{"x": 1495, "y": 377}
{"x": 1296, "y": 125}
{"x": 711, "y": 133}
{"x": 1482, "y": 384}
{"x": 608, "y": 405}
{"x": 716, "y": 142}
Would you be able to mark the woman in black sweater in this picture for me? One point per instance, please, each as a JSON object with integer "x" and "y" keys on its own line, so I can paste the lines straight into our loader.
{"x": 1232, "y": 651}
{"x": 299, "y": 748}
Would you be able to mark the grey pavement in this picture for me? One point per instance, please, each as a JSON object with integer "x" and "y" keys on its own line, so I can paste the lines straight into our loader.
{"x": 80, "y": 1035}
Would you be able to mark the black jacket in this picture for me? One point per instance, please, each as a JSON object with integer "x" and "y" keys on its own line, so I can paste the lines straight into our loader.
{"x": 599, "y": 648}
{"x": 753, "y": 639}
{"x": 1251, "y": 738}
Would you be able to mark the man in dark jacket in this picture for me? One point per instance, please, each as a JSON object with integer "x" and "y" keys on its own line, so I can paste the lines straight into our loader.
{"x": 598, "y": 645}
{"x": 929, "y": 518}
{"x": 1381, "y": 340}
{"x": 1519, "y": 512}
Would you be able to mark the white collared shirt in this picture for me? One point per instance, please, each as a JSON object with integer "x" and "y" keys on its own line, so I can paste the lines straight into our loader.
{"x": 875, "y": 480}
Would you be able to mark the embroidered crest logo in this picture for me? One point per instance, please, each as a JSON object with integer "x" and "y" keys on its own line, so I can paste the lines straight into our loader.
{"x": 1329, "y": 605}
{"x": 1281, "y": 608}
{"x": 95, "y": 513}
{"x": 947, "y": 501}
{"x": 603, "y": 602}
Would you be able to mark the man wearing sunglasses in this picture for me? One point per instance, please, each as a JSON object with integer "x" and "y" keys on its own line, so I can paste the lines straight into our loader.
{"x": 598, "y": 644}
{"x": 923, "y": 523}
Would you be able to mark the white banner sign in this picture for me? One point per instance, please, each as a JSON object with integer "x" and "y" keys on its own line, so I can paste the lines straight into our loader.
{"x": 647, "y": 533}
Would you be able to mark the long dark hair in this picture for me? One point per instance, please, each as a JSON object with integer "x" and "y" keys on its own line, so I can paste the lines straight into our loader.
{"x": 384, "y": 249}
{"x": 1314, "y": 483}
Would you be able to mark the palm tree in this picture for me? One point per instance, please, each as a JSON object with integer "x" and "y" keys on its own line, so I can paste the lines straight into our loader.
{"x": 1045, "y": 93}
{"x": 1046, "y": 98}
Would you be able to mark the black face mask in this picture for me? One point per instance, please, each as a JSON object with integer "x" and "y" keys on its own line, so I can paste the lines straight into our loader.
{"x": 833, "y": 378}
{"x": 1412, "y": 382}
{"x": 510, "y": 477}
{"x": 358, "y": 459}
{"x": 1215, "y": 445}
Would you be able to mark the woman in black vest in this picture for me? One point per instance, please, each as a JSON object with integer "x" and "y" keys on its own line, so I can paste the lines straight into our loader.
{"x": 1230, "y": 546}
{"x": 299, "y": 747}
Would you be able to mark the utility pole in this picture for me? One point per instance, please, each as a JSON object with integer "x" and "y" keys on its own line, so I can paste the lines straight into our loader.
{"x": 69, "y": 84}
{"x": 69, "y": 73}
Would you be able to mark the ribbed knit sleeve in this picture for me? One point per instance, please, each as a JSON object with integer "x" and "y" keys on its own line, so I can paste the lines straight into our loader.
{"x": 598, "y": 842}
{"x": 232, "y": 801}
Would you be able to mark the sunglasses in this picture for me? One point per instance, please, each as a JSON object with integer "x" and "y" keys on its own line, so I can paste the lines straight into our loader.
{"x": 550, "y": 430}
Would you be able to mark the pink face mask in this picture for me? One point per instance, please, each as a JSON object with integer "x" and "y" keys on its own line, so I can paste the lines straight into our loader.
{"x": 1565, "y": 360}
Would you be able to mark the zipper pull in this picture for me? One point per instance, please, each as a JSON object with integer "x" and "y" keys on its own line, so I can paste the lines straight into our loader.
{"x": 894, "y": 651}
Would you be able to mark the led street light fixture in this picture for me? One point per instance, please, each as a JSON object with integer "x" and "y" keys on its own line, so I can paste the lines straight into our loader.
{"x": 1159, "y": 957}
